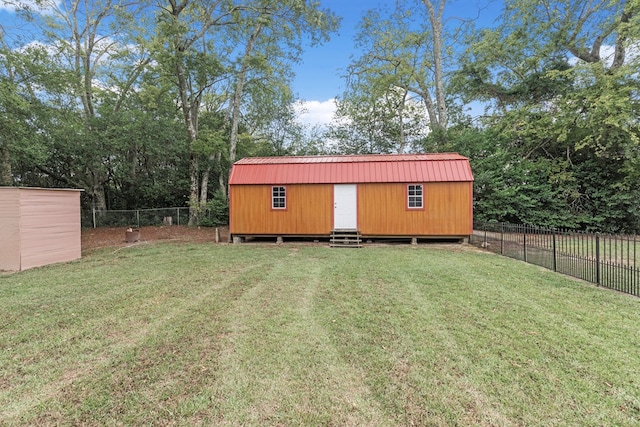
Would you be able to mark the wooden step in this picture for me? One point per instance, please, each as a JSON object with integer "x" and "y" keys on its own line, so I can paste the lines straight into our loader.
{"x": 345, "y": 239}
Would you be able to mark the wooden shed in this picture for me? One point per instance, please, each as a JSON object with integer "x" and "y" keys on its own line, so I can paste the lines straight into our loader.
{"x": 38, "y": 226}
{"x": 377, "y": 196}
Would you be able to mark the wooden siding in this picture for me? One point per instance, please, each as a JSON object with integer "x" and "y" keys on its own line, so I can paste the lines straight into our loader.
{"x": 309, "y": 210}
{"x": 382, "y": 210}
{"x": 9, "y": 229}
{"x": 41, "y": 226}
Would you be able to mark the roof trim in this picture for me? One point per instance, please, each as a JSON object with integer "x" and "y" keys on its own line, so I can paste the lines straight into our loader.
{"x": 350, "y": 158}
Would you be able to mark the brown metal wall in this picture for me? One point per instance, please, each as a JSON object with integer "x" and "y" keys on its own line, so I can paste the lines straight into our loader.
{"x": 382, "y": 210}
{"x": 309, "y": 210}
{"x": 41, "y": 226}
{"x": 49, "y": 226}
{"x": 9, "y": 229}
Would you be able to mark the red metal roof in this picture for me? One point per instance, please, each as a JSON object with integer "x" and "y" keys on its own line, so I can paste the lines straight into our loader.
{"x": 441, "y": 167}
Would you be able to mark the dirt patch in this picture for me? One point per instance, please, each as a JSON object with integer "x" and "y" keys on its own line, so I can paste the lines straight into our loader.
{"x": 105, "y": 237}
{"x": 95, "y": 238}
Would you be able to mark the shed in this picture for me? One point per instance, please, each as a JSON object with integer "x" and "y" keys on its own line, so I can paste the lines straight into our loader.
{"x": 379, "y": 196}
{"x": 38, "y": 226}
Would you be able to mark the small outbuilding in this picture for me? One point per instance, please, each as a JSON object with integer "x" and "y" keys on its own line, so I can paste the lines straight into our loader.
{"x": 377, "y": 196}
{"x": 38, "y": 226}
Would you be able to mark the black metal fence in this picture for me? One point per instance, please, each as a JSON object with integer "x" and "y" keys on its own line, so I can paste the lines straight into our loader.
{"x": 607, "y": 260}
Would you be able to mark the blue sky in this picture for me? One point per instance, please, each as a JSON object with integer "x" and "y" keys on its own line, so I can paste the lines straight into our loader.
{"x": 319, "y": 76}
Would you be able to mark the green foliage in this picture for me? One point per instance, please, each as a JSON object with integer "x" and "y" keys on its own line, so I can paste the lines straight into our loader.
{"x": 217, "y": 211}
{"x": 131, "y": 101}
{"x": 141, "y": 120}
{"x": 388, "y": 121}
{"x": 398, "y": 88}
{"x": 563, "y": 129}
{"x": 586, "y": 191}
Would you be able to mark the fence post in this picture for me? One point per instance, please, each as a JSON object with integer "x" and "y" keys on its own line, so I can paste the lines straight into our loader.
{"x": 598, "y": 259}
{"x": 555, "y": 262}
{"x": 138, "y": 218}
{"x": 524, "y": 241}
{"x": 502, "y": 238}
{"x": 484, "y": 245}
{"x": 634, "y": 250}
{"x": 635, "y": 273}
{"x": 93, "y": 212}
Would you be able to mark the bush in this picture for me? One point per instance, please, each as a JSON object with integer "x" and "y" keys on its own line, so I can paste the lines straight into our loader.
{"x": 217, "y": 211}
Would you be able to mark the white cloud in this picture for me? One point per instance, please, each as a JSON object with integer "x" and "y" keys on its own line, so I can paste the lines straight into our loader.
{"x": 32, "y": 5}
{"x": 607, "y": 53}
{"x": 38, "y": 45}
{"x": 316, "y": 113}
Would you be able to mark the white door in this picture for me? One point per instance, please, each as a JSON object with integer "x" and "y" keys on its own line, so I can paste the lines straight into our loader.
{"x": 345, "y": 206}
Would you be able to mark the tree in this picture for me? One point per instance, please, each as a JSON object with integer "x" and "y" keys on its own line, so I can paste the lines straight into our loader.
{"x": 561, "y": 82}
{"x": 271, "y": 122}
{"x": 270, "y": 33}
{"x": 28, "y": 72}
{"x": 147, "y": 164}
{"x": 13, "y": 112}
{"x": 80, "y": 57}
{"x": 594, "y": 31}
{"x": 273, "y": 43}
{"x": 188, "y": 54}
{"x": 410, "y": 51}
{"x": 386, "y": 122}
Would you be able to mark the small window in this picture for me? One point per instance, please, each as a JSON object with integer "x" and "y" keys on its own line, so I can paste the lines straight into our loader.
{"x": 414, "y": 196}
{"x": 278, "y": 198}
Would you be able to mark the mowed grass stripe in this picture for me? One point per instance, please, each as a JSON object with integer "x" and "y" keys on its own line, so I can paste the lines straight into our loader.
{"x": 121, "y": 321}
{"x": 280, "y": 364}
{"x": 286, "y": 335}
{"x": 484, "y": 340}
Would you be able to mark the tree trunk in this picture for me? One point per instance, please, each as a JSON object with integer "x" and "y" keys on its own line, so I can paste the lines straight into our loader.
{"x": 193, "y": 190}
{"x": 428, "y": 104}
{"x": 435, "y": 19}
{"x": 222, "y": 187}
{"x": 402, "y": 138}
{"x": 204, "y": 184}
{"x": 237, "y": 95}
{"x": 190, "y": 116}
{"x": 99, "y": 197}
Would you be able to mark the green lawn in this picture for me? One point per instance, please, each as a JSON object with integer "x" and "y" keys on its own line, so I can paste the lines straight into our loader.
{"x": 307, "y": 335}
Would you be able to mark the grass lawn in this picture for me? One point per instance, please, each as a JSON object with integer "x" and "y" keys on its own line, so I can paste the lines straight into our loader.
{"x": 207, "y": 334}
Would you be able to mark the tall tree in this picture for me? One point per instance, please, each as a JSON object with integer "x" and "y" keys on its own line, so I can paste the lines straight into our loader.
{"x": 275, "y": 31}
{"x": 270, "y": 120}
{"x": 184, "y": 46}
{"x": 201, "y": 40}
{"x": 82, "y": 43}
{"x": 369, "y": 121}
{"x": 408, "y": 48}
{"x": 13, "y": 109}
{"x": 562, "y": 76}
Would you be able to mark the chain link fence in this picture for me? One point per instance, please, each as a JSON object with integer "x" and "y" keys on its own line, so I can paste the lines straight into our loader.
{"x": 137, "y": 217}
